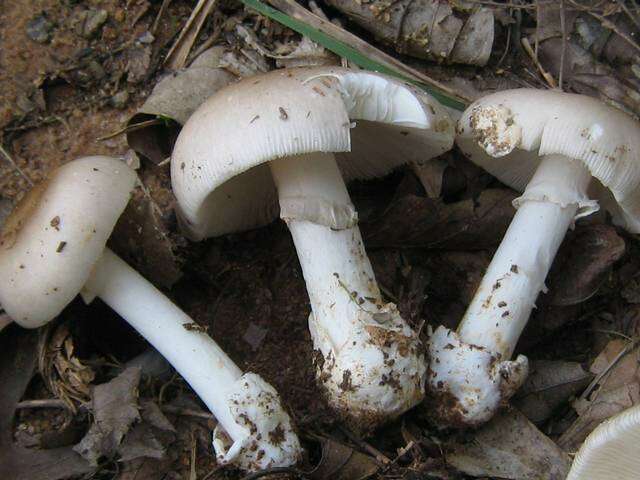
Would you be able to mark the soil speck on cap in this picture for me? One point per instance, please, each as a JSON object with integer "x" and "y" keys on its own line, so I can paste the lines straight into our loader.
{"x": 55, "y": 222}
{"x": 61, "y": 246}
{"x": 283, "y": 114}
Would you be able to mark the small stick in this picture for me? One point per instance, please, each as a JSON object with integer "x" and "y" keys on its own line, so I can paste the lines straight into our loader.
{"x": 42, "y": 403}
{"x": 163, "y": 8}
{"x": 370, "y": 449}
{"x": 15, "y": 165}
{"x": 131, "y": 128}
{"x": 177, "y": 56}
{"x": 563, "y": 50}
{"x": 546, "y": 75}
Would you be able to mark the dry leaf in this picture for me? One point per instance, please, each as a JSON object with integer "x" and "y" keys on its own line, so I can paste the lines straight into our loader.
{"x": 550, "y": 384}
{"x": 115, "y": 408}
{"x": 510, "y": 446}
{"x": 583, "y": 263}
{"x": 340, "y": 462}
{"x": 618, "y": 389}
{"x": 18, "y": 356}
{"x": 425, "y": 222}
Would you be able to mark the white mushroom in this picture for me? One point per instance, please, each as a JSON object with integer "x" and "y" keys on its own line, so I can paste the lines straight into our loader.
{"x": 287, "y": 139}
{"x": 53, "y": 246}
{"x": 611, "y": 451}
{"x": 549, "y": 145}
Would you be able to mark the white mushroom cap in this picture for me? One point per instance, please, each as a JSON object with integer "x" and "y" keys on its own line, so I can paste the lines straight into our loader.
{"x": 51, "y": 241}
{"x": 218, "y": 166}
{"x": 611, "y": 450}
{"x": 507, "y": 132}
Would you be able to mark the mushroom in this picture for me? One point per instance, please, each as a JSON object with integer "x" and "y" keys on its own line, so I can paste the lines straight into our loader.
{"x": 52, "y": 247}
{"x": 611, "y": 450}
{"x": 556, "y": 148}
{"x": 288, "y": 139}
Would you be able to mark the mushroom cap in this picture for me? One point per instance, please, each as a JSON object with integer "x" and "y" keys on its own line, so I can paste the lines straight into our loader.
{"x": 218, "y": 167}
{"x": 611, "y": 450}
{"x": 507, "y": 133}
{"x": 51, "y": 241}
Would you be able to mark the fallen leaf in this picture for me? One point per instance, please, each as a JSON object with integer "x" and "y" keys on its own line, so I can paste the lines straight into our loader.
{"x": 618, "y": 388}
{"x": 510, "y": 446}
{"x": 115, "y": 409}
{"x": 173, "y": 99}
{"x": 593, "y": 412}
{"x": 583, "y": 263}
{"x": 341, "y": 462}
{"x": 550, "y": 384}
{"x": 18, "y": 357}
{"x": 425, "y": 28}
{"x": 425, "y": 222}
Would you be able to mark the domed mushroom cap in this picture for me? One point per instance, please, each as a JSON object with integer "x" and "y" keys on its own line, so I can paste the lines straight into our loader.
{"x": 507, "y": 132}
{"x": 611, "y": 450}
{"x": 218, "y": 166}
{"x": 52, "y": 239}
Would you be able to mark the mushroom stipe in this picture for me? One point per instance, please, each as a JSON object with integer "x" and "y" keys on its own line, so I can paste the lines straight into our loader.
{"x": 562, "y": 151}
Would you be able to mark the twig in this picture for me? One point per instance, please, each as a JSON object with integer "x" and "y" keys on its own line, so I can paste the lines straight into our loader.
{"x": 631, "y": 346}
{"x": 131, "y": 128}
{"x": 43, "y": 403}
{"x": 187, "y": 412}
{"x": 163, "y": 8}
{"x": 293, "y": 9}
{"x": 563, "y": 49}
{"x": 403, "y": 451}
{"x": 546, "y": 75}
{"x": 15, "y": 165}
{"x": 606, "y": 23}
{"x": 177, "y": 56}
{"x": 628, "y": 13}
{"x": 370, "y": 449}
{"x": 193, "y": 475}
{"x": 504, "y": 5}
{"x": 275, "y": 471}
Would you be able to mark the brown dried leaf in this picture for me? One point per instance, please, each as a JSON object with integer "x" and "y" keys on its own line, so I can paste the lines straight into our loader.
{"x": 549, "y": 385}
{"x": 618, "y": 389}
{"x": 428, "y": 29}
{"x": 510, "y": 446}
{"x": 425, "y": 222}
{"x": 18, "y": 356}
{"x": 115, "y": 408}
{"x": 583, "y": 263}
{"x": 174, "y": 98}
{"x": 340, "y": 462}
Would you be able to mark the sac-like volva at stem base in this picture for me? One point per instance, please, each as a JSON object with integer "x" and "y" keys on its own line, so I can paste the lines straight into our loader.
{"x": 470, "y": 372}
{"x": 368, "y": 360}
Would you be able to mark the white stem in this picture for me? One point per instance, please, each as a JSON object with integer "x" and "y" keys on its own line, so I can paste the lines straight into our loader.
{"x": 502, "y": 304}
{"x": 371, "y": 363}
{"x": 333, "y": 260}
{"x": 194, "y": 354}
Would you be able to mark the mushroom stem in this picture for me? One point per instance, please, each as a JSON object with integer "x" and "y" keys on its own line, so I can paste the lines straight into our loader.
{"x": 369, "y": 358}
{"x": 472, "y": 366}
{"x": 193, "y": 353}
{"x": 503, "y": 302}
{"x": 202, "y": 363}
{"x": 323, "y": 223}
